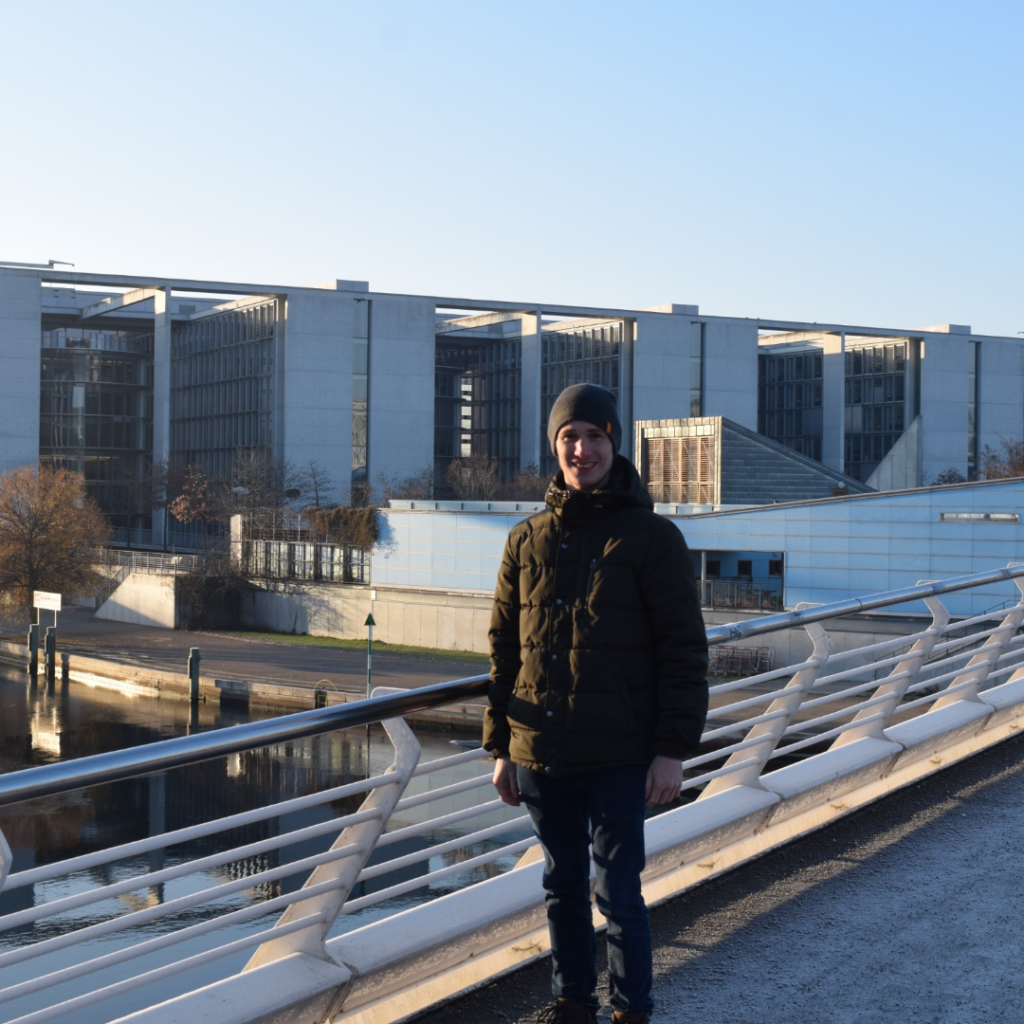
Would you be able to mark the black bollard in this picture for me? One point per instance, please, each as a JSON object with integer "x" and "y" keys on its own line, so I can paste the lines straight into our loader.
{"x": 33, "y": 651}
{"x": 50, "y": 654}
{"x": 193, "y": 674}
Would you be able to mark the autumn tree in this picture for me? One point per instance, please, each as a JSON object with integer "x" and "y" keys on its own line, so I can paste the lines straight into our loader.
{"x": 196, "y": 500}
{"x": 49, "y": 527}
{"x": 1008, "y": 461}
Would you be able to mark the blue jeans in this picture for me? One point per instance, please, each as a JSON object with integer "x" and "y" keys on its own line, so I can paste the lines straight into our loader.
{"x": 606, "y": 809}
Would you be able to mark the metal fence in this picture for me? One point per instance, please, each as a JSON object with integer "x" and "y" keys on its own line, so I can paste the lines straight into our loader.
{"x": 97, "y": 927}
{"x": 726, "y": 594}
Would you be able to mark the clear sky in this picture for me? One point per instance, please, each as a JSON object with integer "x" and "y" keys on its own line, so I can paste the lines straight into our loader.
{"x": 852, "y": 161}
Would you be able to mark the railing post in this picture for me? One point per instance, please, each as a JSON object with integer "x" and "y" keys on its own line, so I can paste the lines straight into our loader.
{"x": 785, "y": 706}
{"x": 977, "y": 669}
{"x": 894, "y": 688}
{"x": 344, "y": 872}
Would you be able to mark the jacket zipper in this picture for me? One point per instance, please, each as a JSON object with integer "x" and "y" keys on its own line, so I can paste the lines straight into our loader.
{"x": 590, "y": 580}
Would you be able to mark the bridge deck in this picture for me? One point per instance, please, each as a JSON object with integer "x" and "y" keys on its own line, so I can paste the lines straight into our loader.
{"x": 905, "y": 911}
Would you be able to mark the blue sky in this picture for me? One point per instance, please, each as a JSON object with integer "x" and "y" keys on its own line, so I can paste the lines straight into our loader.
{"x": 832, "y": 161}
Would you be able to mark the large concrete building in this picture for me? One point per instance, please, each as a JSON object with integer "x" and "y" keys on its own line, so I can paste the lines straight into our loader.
{"x": 105, "y": 372}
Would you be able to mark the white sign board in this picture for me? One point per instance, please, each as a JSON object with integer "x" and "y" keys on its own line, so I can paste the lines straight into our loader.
{"x": 46, "y": 601}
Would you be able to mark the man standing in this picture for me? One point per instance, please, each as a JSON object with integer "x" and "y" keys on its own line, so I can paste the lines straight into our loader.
{"x": 598, "y": 691}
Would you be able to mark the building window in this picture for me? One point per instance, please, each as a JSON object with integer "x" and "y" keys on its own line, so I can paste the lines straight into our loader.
{"x": 476, "y": 400}
{"x": 713, "y": 568}
{"x": 875, "y": 413}
{"x": 360, "y": 392}
{"x": 774, "y": 566}
{"x": 96, "y": 415}
{"x": 789, "y": 408}
{"x": 222, "y": 387}
{"x": 744, "y": 567}
{"x": 697, "y": 342}
{"x": 974, "y": 356}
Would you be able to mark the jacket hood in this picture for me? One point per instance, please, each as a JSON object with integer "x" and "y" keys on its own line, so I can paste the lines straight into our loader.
{"x": 624, "y": 487}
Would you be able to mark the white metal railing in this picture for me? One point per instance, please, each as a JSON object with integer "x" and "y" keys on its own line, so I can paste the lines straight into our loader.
{"x": 80, "y": 943}
{"x": 121, "y": 564}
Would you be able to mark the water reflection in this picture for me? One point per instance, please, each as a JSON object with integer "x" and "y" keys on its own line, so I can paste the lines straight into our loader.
{"x": 41, "y": 725}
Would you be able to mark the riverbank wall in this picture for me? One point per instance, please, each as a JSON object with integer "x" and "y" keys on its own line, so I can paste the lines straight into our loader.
{"x": 282, "y": 697}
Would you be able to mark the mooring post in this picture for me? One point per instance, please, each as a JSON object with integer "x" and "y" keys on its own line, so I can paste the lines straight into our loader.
{"x": 193, "y": 674}
{"x": 50, "y": 653}
{"x": 33, "y": 650}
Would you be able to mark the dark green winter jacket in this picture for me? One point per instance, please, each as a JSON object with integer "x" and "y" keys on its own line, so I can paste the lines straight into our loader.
{"x": 598, "y": 651}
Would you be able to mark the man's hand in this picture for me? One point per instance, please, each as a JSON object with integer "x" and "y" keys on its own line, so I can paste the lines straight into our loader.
{"x": 505, "y": 782}
{"x": 664, "y": 779}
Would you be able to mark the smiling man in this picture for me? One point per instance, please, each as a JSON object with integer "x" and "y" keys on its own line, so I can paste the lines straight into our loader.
{"x": 598, "y": 691}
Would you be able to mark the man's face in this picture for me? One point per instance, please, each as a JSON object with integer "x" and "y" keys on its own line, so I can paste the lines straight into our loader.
{"x": 585, "y": 455}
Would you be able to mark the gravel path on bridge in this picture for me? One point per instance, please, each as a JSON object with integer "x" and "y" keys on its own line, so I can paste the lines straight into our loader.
{"x": 906, "y": 911}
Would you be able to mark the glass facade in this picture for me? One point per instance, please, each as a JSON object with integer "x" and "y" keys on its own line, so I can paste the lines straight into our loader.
{"x": 222, "y": 386}
{"x": 789, "y": 408}
{"x": 476, "y": 401}
{"x": 697, "y": 370}
{"x": 580, "y": 355}
{"x": 96, "y": 413}
{"x": 974, "y": 355}
{"x": 360, "y": 392}
{"x": 875, "y": 404}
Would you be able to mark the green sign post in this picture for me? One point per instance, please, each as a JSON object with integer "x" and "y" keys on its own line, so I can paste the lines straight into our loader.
{"x": 369, "y": 623}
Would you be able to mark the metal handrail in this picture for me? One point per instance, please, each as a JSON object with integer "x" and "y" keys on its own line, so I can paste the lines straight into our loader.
{"x": 736, "y": 753}
{"x": 63, "y": 777}
{"x": 853, "y": 605}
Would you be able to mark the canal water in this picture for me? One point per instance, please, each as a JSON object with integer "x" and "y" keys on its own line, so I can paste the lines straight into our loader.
{"x": 40, "y": 725}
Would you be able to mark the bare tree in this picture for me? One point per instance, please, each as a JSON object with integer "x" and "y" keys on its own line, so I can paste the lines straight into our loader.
{"x": 1007, "y": 462}
{"x": 255, "y": 481}
{"x": 949, "y": 476}
{"x": 159, "y": 486}
{"x": 316, "y": 485}
{"x": 474, "y": 478}
{"x": 48, "y": 528}
{"x": 418, "y": 486}
{"x": 527, "y": 485}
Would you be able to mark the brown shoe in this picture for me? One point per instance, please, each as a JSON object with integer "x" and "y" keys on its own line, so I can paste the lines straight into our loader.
{"x": 626, "y": 1017}
{"x": 567, "y": 1011}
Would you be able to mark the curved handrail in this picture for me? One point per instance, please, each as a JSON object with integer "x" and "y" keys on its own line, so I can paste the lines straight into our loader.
{"x": 786, "y": 620}
{"x": 48, "y": 780}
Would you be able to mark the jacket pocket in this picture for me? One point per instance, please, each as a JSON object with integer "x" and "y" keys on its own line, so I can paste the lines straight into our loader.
{"x": 524, "y": 712}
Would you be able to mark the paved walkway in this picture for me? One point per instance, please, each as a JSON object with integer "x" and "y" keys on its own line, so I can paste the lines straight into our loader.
{"x": 909, "y": 910}
{"x": 226, "y": 657}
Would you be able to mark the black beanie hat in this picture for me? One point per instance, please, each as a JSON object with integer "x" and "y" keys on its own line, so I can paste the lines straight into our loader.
{"x": 589, "y": 402}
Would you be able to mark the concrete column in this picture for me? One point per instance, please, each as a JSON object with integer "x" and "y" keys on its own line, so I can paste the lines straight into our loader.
{"x": 162, "y": 374}
{"x": 20, "y": 337}
{"x": 530, "y": 441}
{"x": 833, "y": 401}
{"x": 280, "y": 440}
{"x": 626, "y": 386}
